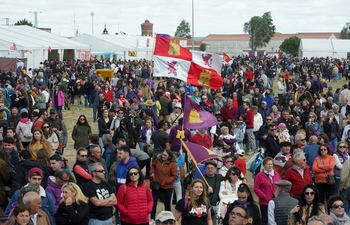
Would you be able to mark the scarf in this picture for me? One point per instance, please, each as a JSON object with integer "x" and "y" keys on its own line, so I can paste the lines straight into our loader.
{"x": 245, "y": 205}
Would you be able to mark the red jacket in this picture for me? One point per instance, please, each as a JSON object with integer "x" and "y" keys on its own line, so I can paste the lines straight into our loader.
{"x": 134, "y": 203}
{"x": 249, "y": 119}
{"x": 298, "y": 183}
{"x": 249, "y": 75}
{"x": 323, "y": 168}
{"x": 228, "y": 113}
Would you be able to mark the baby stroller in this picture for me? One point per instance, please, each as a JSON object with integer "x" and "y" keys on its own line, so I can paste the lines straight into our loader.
{"x": 222, "y": 206}
{"x": 254, "y": 163}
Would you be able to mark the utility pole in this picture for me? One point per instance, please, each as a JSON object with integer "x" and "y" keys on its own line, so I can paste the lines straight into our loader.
{"x": 35, "y": 17}
{"x": 192, "y": 24}
{"x": 92, "y": 21}
{"x": 75, "y": 31}
{"x": 7, "y": 21}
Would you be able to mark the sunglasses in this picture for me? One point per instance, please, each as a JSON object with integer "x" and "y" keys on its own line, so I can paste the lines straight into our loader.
{"x": 81, "y": 119}
{"x": 303, "y": 140}
{"x": 99, "y": 171}
{"x": 120, "y": 113}
{"x": 337, "y": 206}
{"x": 84, "y": 156}
{"x": 273, "y": 129}
{"x": 236, "y": 214}
{"x": 268, "y": 119}
{"x": 122, "y": 124}
{"x": 134, "y": 174}
{"x": 63, "y": 179}
{"x": 309, "y": 193}
{"x": 234, "y": 174}
{"x": 229, "y": 161}
{"x": 46, "y": 127}
{"x": 323, "y": 149}
{"x": 343, "y": 146}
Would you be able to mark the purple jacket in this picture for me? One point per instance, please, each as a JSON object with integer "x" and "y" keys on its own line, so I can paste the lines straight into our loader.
{"x": 174, "y": 141}
{"x": 54, "y": 190}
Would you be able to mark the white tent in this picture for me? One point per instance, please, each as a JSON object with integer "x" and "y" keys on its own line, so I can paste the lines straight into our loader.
{"x": 334, "y": 48}
{"x": 119, "y": 46}
{"x": 37, "y": 45}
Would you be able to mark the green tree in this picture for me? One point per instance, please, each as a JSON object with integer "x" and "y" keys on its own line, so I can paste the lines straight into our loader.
{"x": 291, "y": 45}
{"x": 183, "y": 30}
{"x": 23, "y": 22}
{"x": 345, "y": 32}
{"x": 203, "y": 47}
{"x": 261, "y": 30}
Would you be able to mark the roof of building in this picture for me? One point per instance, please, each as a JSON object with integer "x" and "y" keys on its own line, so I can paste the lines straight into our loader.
{"x": 188, "y": 43}
{"x": 277, "y": 36}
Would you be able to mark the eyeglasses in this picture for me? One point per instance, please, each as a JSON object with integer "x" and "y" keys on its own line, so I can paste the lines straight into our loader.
{"x": 99, "y": 171}
{"x": 120, "y": 113}
{"x": 343, "y": 146}
{"x": 234, "y": 174}
{"x": 63, "y": 179}
{"x": 323, "y": 149}
{"x": 236, "y": 214}
{"x": 337, "y": 206}
{"x": 134, "y": 174}
{"x": 84, "y": 156}
{"x": 46, "y": 127}
{"x": 309, "y": 193}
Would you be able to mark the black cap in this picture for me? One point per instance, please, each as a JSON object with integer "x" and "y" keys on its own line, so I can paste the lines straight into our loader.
{"x": 285, "y": 143}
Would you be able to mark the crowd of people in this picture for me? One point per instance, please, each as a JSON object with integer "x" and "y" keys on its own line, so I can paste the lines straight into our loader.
{"x": 302, "y": 126}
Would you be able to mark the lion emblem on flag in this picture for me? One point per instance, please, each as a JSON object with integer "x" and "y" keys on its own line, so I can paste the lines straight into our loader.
{"x": 207, "y": 59}
{"x": 172, "y": 68}
{"x": 174, "y": 49}
{"x": 204, "y": 78}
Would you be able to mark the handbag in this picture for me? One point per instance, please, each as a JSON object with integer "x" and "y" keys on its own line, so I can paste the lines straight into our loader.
{"x": 154, "y": 185}
{"x": 330, "y": 178}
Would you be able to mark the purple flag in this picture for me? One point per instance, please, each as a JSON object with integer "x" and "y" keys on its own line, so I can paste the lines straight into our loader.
{"x": 195, "y": 117}
{"x": 251, "y": 55}
{"x": 167, "y": 36}
{"x": 198, "y": 153}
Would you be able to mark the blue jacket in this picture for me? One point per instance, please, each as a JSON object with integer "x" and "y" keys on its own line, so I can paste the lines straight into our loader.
{"x": 122, "y": 169}
{"x": 47, "y": 204}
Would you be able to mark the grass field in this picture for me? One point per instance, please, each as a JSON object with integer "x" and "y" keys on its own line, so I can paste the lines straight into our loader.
{"x": 71, "y": 117}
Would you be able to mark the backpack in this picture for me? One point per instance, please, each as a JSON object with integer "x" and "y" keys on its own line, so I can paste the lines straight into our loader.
{"x": 27, "y": 133}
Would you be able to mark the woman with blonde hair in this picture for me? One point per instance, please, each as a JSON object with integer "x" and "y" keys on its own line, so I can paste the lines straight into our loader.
{"x": 74, "y": 209}
{"x": 39, "y": 142}
{"x": 227, "y": 138}
{"x": 195, "y": 208}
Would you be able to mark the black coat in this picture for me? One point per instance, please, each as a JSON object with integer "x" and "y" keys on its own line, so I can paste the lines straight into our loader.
{"x": 272, "y": 146}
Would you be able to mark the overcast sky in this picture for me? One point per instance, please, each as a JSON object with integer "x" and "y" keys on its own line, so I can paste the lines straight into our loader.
{"x": 211, "y": 16}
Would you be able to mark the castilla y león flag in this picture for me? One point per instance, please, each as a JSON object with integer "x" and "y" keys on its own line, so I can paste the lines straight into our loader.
{"x": 197, "y": 68}
{"x": 195, "y": 117}
{"x": 225, "y": 57}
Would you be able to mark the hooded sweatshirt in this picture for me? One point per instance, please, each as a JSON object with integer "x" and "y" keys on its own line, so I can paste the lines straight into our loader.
{"x": 55, "y": 190}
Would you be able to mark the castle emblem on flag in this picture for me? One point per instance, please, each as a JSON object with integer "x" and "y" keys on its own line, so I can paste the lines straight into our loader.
{"x": 174, "y": 49}
{"x": 195, "y": 117}
{"x": 204, "y": 78}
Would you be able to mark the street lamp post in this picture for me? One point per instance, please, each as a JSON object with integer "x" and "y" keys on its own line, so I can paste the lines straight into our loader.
{"x": 192, "y": 24}
{"x": 35, "y": 17}
{"x": 92, "y": 21}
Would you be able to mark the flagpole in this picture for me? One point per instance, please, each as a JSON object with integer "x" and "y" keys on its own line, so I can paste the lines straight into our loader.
{"x": 195, "y": 163}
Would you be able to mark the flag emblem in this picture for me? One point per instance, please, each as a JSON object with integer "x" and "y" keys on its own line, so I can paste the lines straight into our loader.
{"x": 172, "y": 68}
{"x": 195, "y": 117}
{"x": 174, "y": 49}
{"x": 204, "y": 78}
{"x": 207, "y": 59}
